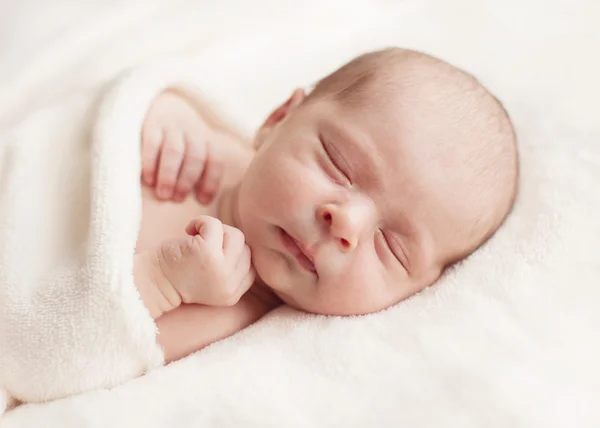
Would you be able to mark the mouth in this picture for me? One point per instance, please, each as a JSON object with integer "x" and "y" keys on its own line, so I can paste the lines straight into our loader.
{"x": 298, "y": 251}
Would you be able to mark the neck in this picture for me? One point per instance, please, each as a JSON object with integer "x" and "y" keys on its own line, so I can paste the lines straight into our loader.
{"x": 228, "y": 207}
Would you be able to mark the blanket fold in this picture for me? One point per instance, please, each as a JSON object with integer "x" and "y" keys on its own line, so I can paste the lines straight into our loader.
{"x": 71, "y": 319}
{"x": 509, "y": 338}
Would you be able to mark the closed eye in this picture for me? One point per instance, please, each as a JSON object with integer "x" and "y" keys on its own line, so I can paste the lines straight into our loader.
{"x": 335, "y": 159}
{"x": 394, "y": 247}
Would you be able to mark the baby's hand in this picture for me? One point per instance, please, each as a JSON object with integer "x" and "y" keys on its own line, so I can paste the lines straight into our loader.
{"x": 176, "y": 155}
{"x": 212, "y": 266}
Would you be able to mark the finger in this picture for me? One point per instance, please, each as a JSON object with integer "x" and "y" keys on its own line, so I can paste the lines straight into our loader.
{"x": 171, "y": 157}
{"x": 242, "y": 285}
{"x": 152, "y": 138}
{"x": 211, "y": 178}
{"x": 192, "y": 167}
{"x": 233, "y": 244}
{"x": 194, "y": 226}
{"x": 247, "y": 281}
{"x": 211, "y": 231}
{"x": 242, "y": 266}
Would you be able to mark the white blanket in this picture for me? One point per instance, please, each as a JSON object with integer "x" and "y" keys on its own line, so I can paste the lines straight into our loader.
{"x": 508, "y": 338}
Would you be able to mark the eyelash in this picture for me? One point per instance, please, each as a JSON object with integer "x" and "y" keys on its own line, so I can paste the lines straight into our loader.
{"x": 387, "y": 243}
{"x": 346, "y": 179}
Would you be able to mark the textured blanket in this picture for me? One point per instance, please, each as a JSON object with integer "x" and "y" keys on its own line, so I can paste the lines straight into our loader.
{"x": 507, "y": 338}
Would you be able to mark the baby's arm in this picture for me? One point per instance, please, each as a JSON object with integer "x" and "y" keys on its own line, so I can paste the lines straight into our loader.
{"x": 186, "y": 328}
{"x": 151, "y": 285}
{"x": 211, "y": 266}
{"x": 190, "y": 328}
{"x": 196, "y": 288}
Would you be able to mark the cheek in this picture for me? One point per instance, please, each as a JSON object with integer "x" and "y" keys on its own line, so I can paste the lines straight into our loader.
{"x": 280, "y": 180}
{"x": 277, "y": 184}
{"x": 354, "y": 286}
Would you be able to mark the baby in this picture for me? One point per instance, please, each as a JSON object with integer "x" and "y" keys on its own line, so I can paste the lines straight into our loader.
{"x": 358, "y": 196}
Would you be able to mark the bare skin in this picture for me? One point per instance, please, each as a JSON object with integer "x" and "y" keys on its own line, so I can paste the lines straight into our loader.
{"x": 356, "y": 197}
{"x": 185, "y": 328}
{"x": 347, "y": 209}
{"x": 327, "y": 244}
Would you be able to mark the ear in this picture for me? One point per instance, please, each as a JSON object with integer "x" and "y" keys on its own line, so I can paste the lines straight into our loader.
{"x": 277, "y": 116}
{"x": 283, "y": 110}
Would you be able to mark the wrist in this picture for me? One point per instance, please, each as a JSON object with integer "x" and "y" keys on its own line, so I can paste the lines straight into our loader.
{"x": 216, "y": 126}
{"x": 156, "y": 292}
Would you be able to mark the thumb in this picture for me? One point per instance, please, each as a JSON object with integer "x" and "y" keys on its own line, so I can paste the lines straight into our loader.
{"x": 193, "y": 227}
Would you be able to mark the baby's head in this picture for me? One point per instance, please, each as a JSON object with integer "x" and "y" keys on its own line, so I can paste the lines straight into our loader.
{"x": 362, "y": 192}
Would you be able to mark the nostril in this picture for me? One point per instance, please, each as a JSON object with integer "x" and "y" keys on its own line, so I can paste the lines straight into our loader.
{"x": 345, "y": 243}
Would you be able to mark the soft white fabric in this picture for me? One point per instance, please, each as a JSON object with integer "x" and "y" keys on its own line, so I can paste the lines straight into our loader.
{"x": 508, "y": 338}
{"x": 70, "y": 316}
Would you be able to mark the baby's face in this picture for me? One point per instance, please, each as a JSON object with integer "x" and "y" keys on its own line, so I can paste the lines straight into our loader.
{"x": 338, "y": 209}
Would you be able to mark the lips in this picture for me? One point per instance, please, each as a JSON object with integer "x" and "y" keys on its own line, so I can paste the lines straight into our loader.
{"x": 298, "y": 251}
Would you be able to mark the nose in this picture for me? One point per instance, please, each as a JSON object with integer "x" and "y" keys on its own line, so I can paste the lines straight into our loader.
{"x": 346, "y": 222}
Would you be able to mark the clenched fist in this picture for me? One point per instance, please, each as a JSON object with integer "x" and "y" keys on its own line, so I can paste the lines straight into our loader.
{"x": 211, "y": 266}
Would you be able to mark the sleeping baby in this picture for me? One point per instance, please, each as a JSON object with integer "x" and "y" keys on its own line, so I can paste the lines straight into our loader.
{"x": 353, "y": 197}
